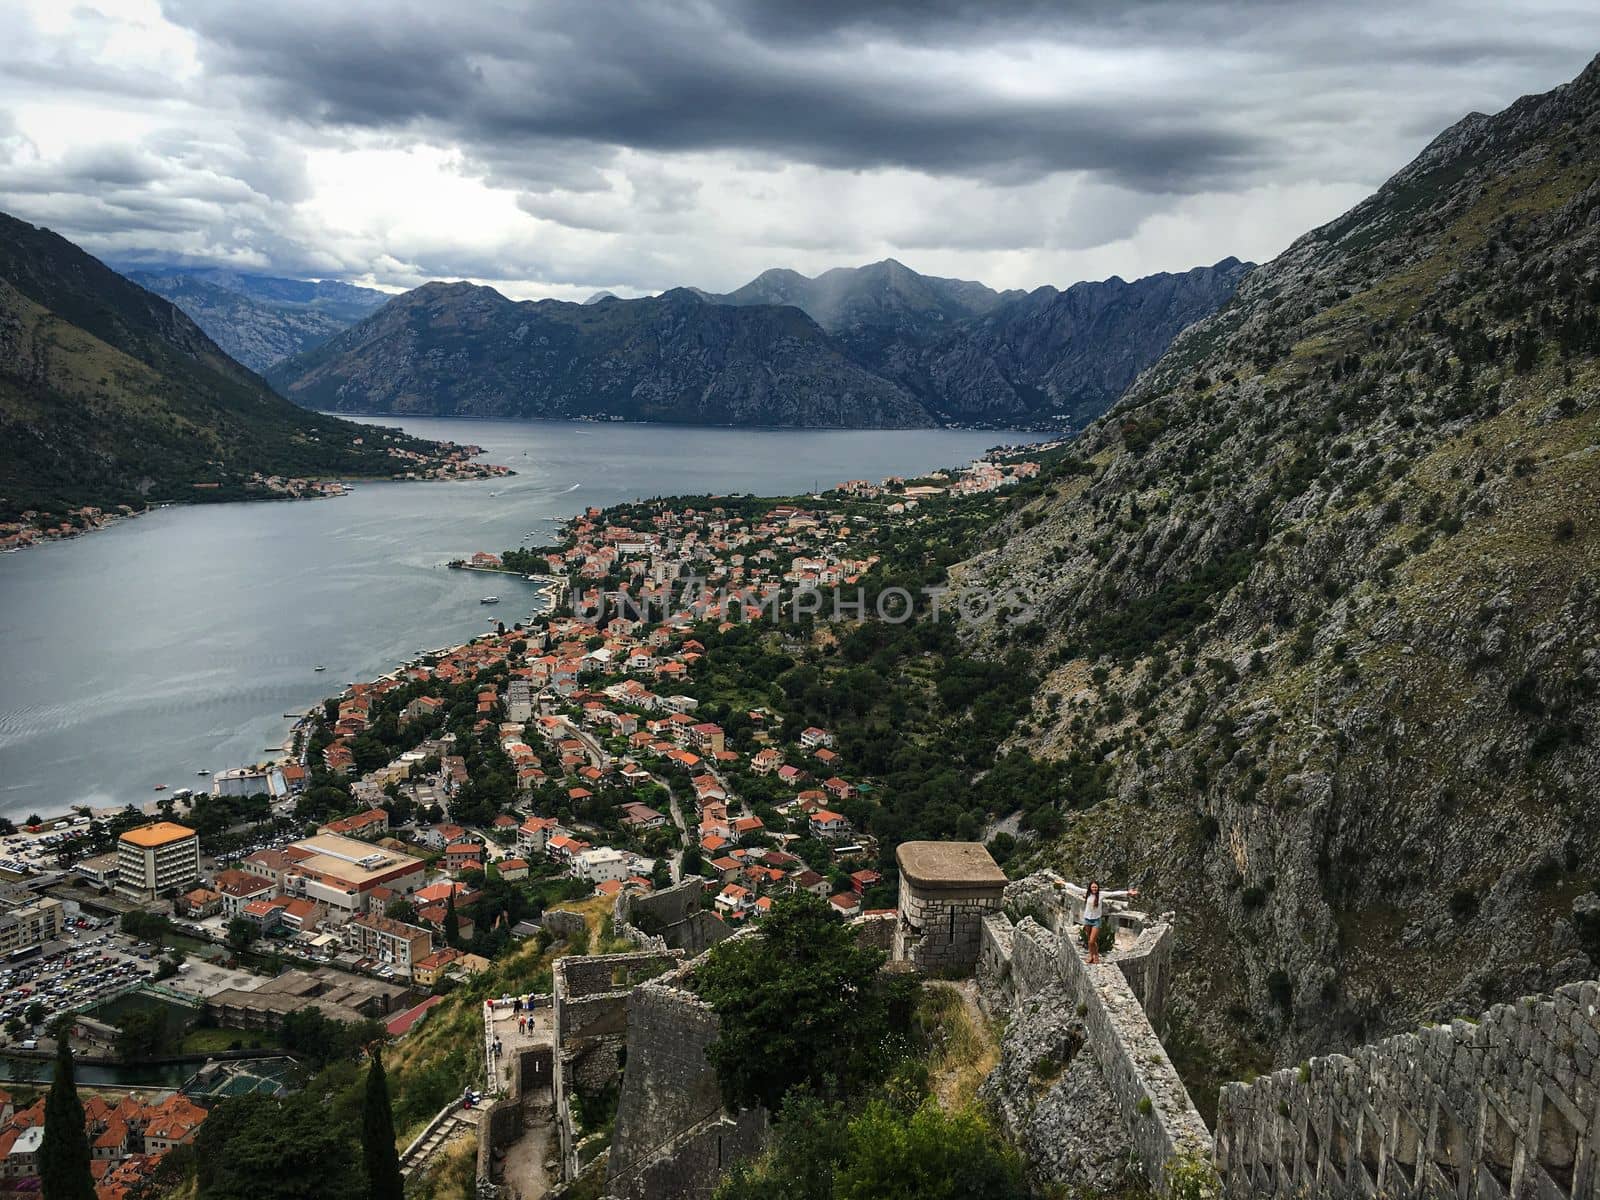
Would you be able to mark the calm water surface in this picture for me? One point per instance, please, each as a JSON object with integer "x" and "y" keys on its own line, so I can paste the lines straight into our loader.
{"x": 174, "y": 643}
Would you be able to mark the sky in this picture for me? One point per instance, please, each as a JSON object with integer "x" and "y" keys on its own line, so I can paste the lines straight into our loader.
{"x": 554, "y": 148}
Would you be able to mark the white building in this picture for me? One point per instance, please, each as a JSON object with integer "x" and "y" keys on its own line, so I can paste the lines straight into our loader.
{"x": 157, "y": 859}
{"x": 601, "y": 864}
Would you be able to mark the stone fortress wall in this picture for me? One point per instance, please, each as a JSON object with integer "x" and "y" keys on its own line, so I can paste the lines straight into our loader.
{"x": 674, "y": 918}
{"x": 1121, "y": 1001}
{"x": 590, "y": 999}
{"x": 672, "y": 1135}
{"x": 1507, "y": 1106}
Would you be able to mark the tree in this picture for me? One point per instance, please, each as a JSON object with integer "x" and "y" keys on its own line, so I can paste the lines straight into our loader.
{"x": 802, "y": 1006}
{"x": 142, "y": 1034}
{"x": 241, "y": 933}
{"x": 152, "y": 927}
{"x": 259, "y": 1148}
{"x": 884, "y": 1153}
{"x": 377, "y": 1136}
{"x": 401, "y": 909}
{"x": 36, "y": 1012}
{"x": 933, "y": 1156}
{"x": 452, "y": 923}
{"x": 64, "y": 1153}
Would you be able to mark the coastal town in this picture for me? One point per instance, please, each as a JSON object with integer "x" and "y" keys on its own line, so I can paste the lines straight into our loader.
{"x": 428, "y": 819}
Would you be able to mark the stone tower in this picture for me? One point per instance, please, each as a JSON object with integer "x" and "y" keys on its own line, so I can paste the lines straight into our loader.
{"x": 946, "y": 889}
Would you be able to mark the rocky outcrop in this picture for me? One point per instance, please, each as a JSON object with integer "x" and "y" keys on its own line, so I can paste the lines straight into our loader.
{"x": 1052, "y": 1102}
{"x": 1316, "y": 608}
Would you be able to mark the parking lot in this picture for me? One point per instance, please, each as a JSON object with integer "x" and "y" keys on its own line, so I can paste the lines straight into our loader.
{"x": 67, "y": 976}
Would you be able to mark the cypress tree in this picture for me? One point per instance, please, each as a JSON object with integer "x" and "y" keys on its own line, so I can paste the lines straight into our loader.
{"x": 384, "y": 1181}
{"x": 64, "y": 1154}
{"x": 452, "y": 924}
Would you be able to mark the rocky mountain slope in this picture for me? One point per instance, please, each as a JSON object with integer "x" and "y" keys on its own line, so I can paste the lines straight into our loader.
{"x": 1319, "y": 603}
{"x": 260, "y": 319}
{"x": 459, "y": 349}
{"x": 874, "y": 346}
{"x": 970, "y": 353}
{"x": 109, "y": 394}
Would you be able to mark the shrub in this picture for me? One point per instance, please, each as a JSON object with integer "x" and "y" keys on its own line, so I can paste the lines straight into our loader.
{"x": 1192, "y": 1177}
{"x": 1108, "y": 936}
{"x": 1279, "y": 988}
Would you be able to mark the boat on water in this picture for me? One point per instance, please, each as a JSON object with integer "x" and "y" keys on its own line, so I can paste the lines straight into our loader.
{"x": 490, "y": 600}
{"x": 161, "y": 787}
{"x": 202, "y": 771}
{"x": 319, "y": 667}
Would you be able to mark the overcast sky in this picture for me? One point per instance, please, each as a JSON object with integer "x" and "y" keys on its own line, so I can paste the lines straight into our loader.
{"x": 558, "y": 147}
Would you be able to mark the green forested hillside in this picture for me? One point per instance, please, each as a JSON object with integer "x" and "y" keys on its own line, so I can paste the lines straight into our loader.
{"x": 109, "y": 394}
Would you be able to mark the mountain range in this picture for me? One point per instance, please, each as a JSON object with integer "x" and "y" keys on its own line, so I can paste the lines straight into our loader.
{"x": 260, "y": 319}
{"x": 874, "y": 346}
{"x": 1318, "y": 611}
{"x": 110, "y": 395}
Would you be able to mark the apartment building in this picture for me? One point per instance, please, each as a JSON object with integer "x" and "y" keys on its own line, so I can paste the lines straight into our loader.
{"x": 388, "y": 941}
{"x": 159, "y": 859}
{"x": 27, "y": 920}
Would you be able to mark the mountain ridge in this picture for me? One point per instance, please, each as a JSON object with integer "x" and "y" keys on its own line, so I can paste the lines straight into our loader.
{"x": 873, "y": 346}
{"x": 260, "y": 319}
{"x": 1319, "y": 613}
{"x": 463, "y": 349}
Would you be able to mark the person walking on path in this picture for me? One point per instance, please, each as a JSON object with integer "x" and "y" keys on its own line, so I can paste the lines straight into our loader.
{"x": 1093, "y": 914}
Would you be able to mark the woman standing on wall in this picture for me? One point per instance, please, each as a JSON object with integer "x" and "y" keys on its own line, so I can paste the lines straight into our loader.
{"x": 1092, "y": 914}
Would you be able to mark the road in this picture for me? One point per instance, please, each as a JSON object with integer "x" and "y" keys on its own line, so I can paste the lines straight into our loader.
{"x": 683, "y": 830}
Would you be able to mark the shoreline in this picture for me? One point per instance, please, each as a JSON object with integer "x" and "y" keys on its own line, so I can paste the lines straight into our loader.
{"x": 1055, "y": 430}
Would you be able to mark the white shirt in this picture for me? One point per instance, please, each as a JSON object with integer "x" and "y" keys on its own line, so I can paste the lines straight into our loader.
{"x": 1091, "y": 903}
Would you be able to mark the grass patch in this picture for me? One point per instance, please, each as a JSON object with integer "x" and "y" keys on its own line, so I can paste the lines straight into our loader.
{"x": 212, "y": 1041}
{"x": 962, "y": 1046}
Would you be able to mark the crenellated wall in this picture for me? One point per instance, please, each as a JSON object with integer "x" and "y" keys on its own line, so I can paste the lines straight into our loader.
{"x": 1508, "y": 1106}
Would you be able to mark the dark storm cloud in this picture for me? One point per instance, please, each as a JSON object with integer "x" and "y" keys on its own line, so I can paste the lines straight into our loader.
{"x": 641, "y": 145}
{"x": 698, "y": 77}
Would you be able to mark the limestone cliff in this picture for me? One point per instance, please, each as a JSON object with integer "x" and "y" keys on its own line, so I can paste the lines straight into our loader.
{"x": 1318, "y": 607}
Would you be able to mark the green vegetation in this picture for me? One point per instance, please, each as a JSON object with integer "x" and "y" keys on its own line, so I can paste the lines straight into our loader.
{"x": 109, "y": 395}
{"x": 260, "y": 1148}
{"x": 377, "y": 1136}
{"x": 148, "y": 926}
{"x": 64, "y": 1153}
{"x": 883, "y": 1153}
{"x": 802, "y": 1007}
